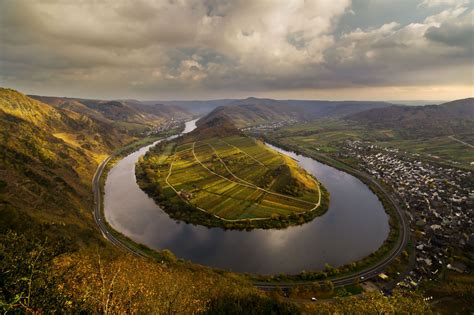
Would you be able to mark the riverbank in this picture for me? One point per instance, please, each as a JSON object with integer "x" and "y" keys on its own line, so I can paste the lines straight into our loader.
{"x": 393, "y": 246}
{"x": 215, "y": 176}
{"x": 179, "y": 209}
{"x": 340, "y": 276}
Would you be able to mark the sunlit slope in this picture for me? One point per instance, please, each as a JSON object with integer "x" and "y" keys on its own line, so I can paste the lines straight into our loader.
{"x": 48, "y": 157}
{"x": 231, "y": 176}
{"x": 129, "y": 115}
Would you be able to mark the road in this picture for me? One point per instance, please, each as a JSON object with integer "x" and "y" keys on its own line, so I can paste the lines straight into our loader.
{"x": 460, "y": 141}
{"x": 374, "y": 270}
{"x": 369, "y": 273}
{"x": 100, "y": 220}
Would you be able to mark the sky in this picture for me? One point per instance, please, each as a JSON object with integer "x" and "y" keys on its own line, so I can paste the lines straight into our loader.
{"x": 207, "y": 49}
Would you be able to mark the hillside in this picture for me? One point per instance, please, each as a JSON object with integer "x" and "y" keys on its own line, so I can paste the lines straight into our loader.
{"x": 127, "y": 115}
{"x": 48, "y": 157}
{"x": 237, "y": 181}
{"x": 452, "y": 118}
{"x": 219, "y": 126}
{"x": 255, "y": 111}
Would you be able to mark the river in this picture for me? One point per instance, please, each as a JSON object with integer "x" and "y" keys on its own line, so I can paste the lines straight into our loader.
{"x": 354, "y": 226}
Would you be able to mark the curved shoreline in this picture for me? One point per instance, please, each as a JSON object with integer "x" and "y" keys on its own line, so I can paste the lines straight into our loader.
{"x": 124, "y": 242}
{"x": 199, "y": 216}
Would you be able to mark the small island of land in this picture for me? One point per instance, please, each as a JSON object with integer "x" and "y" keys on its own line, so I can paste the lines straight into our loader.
{"x": 217, "y": 176}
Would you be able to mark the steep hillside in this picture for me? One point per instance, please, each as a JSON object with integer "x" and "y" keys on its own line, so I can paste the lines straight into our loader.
{"x": 48, "y": 156}
{"x": 453, "y": 118}
{"x": 128, "y": 115}
{"x": 255, "y": 111}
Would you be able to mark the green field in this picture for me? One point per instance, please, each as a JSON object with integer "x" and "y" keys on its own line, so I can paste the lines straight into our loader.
{"x": 329, "y": 136}
{"x": 233, "y": 178}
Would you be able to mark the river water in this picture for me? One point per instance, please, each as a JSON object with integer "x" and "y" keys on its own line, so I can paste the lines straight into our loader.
{"x": 354, "y": 226}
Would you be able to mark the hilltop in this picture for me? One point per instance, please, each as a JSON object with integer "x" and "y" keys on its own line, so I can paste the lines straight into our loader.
{"x": 219, "y": 126}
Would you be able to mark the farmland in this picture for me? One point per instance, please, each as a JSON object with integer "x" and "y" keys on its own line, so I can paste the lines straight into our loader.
{"x": 330, "y": 135}
{"x": 232, "y": 178}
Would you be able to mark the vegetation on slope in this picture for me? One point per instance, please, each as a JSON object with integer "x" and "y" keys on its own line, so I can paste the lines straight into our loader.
{"x": 453, "y": 118}
{"x": 255, "y": 111}
{"x": 128, "y": 115}
{"x": 39, "y": 276}
{"x": 230, "y": 178}
{"x": 48, "y": 157}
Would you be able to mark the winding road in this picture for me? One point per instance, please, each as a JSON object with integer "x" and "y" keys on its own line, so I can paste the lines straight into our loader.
{"x": 99, "y": 218}
{"x": 366, "y": 274}
{"x": 374, "y": 270}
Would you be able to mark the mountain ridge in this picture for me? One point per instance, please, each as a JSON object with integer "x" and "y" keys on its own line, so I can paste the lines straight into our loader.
{"x": 255, "y": 111}
{"x": 455, "y": 117}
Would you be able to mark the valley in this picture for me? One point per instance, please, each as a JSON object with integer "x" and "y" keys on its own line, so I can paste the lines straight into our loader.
{"x": 236, "y": 157}
{"x": 228, "y": 178}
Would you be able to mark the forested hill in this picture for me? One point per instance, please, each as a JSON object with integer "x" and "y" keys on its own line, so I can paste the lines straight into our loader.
{"x": 256, "y": 111}
{"x": 452, "y": 118}
{"x": 48, "y": 157}
{"x": 128, "y": 115}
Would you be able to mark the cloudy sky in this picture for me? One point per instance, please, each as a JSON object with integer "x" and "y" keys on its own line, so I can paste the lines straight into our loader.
{"x": 202, "y": 49}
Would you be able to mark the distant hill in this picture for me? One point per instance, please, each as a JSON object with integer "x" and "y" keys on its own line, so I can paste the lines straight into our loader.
{"x": 196, "y": 107}
{"x": 456, "y": 117}
{"x": 256, "y": 111}
{"x": 128, "y": 114}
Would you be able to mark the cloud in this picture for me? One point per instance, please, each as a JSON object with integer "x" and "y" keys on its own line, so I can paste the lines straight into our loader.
{"x": 147, "y": 48}
{"x": 418, "y": 53}
{"x": 457, "y": 32}
{"x": 435, "y": 3}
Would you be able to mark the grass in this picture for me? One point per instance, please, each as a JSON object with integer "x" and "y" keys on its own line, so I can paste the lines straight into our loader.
{"x": 233, "y": 179}
{"x": 329, "y": 135}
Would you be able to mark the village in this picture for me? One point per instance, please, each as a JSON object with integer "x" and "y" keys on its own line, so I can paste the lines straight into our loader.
{"x": 168, "y": 125}
{"x": 439, "y": 203}
{"x": 271, "y": 125}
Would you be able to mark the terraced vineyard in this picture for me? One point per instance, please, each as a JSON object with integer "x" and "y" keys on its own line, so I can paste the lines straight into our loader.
{"x": 233, "y": 178}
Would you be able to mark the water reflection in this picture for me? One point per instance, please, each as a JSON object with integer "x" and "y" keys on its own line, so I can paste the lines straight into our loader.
{"x": 354, "y": 226}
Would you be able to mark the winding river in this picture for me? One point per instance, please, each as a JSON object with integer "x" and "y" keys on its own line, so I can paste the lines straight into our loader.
{"x": 354, "y": 226}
